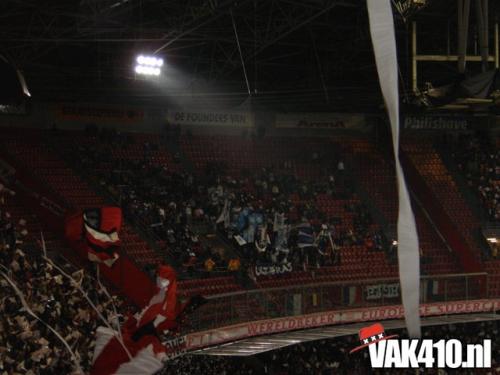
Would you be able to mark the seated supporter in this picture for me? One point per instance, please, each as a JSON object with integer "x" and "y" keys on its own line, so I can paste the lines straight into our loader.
{"x": 209, "y": 265}
{"x": 234, "y": 264}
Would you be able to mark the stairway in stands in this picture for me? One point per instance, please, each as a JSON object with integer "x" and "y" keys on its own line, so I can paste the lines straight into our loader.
{"x": 159, "y": 156}
{"x": 430, "y": 166}
{"x": 378, "y": 178}
{"x": 31, "y": 152}
{"x": 49, "y": 168}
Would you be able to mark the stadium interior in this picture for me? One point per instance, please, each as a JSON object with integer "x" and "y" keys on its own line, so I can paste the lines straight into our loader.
{"x": 210, "y": 186}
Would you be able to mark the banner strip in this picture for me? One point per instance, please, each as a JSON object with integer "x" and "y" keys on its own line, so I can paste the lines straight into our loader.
{"x": 384, "y": 46}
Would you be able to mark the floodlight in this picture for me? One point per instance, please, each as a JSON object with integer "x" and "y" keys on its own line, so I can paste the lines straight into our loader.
{"x": 148, "y": 65}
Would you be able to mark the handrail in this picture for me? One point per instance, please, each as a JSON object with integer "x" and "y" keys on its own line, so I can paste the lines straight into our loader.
{"x": 430, "y": 220}
{"x": 283, "y": 302}
{"x": 46, "y": 189}
{"x": 339, "y": 283}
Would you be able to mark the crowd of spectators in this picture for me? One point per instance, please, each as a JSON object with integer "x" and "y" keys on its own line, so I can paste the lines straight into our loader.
{"x": 269, "y": 214}
{"x": 262, "y": 212}
{"x": 28, "y": 346}
{"x": 328, "y": 357}
{"x": 274, "y": 217}
{"x": 166, "y": 202}
{"x": 479, "y": 161}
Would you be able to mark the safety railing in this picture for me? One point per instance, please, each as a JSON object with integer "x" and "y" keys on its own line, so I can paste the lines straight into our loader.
{"x": 245, "y": 306}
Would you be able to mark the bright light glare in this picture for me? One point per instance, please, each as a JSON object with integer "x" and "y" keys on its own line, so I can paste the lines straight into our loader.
{"x": 149, "y": 60}
{"x": 148, "y": 65}
{"x": 147, "y": 70}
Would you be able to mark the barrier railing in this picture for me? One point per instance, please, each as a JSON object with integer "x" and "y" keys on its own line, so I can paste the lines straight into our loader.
{"x": 245, "y": 306}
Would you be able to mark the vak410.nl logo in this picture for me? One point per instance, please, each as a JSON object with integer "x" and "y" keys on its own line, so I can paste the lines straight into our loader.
{"x": 388, "y": 352}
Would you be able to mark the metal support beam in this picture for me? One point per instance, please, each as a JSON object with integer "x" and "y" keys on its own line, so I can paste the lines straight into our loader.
{"x": 463, "y": 31}
{"x": 241, "y": 55}
{"x": 414, "y": 56}
{"x": 482, "y": 25}
{"x": 461, "y": 59}
{"x": 452, "y": 58}
{"x": 320, "y": 70}
{"x": 496, "y": 46}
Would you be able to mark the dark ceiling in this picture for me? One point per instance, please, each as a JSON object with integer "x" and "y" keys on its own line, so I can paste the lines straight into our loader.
{"x": 312, "y": 54}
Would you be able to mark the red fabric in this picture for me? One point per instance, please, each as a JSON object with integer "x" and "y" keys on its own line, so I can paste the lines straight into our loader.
{"x": 124, "y": 274}
{"x": 113, "y": 354}
{"x": 73, "y": 226}
{"x": 111, "y": 218}
{"x": 168, "y": 306}
{"x": 101, "y": 244}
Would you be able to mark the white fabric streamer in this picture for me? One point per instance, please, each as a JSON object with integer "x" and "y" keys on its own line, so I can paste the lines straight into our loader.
{"x": 384, "y": 46}
{"x": 30, "y": 312}
{"x": 77, "y": 285}
{"x": 86, "y": 296}
{"x": 103, "y": 288}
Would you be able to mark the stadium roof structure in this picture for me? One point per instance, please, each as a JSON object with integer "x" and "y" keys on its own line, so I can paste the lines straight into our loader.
{"x": 313, "y": 54}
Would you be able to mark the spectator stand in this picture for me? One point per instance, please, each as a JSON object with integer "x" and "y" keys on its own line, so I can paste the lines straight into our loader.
{"x": 63, "y": 144}
{"x": 377, "y": 177}
{"x": 118, "y": 174}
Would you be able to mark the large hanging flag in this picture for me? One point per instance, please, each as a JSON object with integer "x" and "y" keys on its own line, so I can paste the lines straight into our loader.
{"x": 145, "y": 355}
{"x": 162, "y": 309}
{"x": 98, "y": 228}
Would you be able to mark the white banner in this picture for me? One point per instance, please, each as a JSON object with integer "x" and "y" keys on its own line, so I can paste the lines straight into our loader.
{"x": 319, "y": 120}
{"x": 229, "y": 118}
{"x": 273, "y": 269}
{"x": 221, "y": 335}
{"x": 175, "y": 347}
{"x": 384, "y": 46}
{"x": 382, "y": 290}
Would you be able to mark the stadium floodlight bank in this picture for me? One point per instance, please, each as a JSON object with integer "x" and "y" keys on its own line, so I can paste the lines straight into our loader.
{"x": 148, "y": 65}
